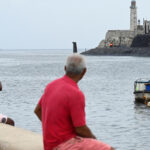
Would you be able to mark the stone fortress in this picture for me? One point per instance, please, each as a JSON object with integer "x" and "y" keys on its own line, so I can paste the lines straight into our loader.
{"x": 137, "y": 36}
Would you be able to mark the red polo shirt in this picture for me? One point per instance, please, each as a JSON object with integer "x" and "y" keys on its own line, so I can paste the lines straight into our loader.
{"x": 63, "y": 109}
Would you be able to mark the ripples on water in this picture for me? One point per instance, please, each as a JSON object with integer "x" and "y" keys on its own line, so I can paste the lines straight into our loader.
{"x": 108, "y": 87}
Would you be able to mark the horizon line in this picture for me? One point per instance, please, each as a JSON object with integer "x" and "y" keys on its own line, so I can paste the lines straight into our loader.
{"x": 41, "y": 48}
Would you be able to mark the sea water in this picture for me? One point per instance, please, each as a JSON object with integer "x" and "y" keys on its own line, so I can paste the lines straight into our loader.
{"x": 108, "y": 85}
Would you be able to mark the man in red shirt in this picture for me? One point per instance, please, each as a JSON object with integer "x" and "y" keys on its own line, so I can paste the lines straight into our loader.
{"x": 62, "y": 112}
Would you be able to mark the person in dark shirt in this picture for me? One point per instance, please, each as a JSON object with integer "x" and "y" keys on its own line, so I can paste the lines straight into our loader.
{"x": 3, "y": 118}
{"x": 0, "y": 86}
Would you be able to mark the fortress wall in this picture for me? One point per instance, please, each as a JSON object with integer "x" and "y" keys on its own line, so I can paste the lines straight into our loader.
{"x": 118, "y": 38}
{"x": 101, "y": 44}
{"x": 119, "y": 33}
{"x": 140, "y": 32}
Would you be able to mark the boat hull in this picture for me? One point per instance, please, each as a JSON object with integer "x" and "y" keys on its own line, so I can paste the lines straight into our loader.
{"x": 142, "y": 97}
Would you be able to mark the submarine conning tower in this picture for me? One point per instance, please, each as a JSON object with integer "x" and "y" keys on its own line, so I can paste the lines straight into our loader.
{"x": 133, "y": 16}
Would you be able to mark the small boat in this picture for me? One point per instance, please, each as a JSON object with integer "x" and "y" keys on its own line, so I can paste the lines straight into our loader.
{"x": 142, "y": 91}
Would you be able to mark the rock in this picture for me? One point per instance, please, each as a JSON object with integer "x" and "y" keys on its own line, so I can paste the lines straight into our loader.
{"x": 120, "y": 51}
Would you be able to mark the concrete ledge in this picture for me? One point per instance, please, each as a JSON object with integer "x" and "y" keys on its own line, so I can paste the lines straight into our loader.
{"x": 12, "y": 138}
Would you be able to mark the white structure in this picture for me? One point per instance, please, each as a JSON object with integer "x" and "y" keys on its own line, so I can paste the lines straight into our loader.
{"x": 146, "y": 26}
{"x": 133, "y": 16}
{"x": 13, "y": 138}
{"x": 124, "y": 38}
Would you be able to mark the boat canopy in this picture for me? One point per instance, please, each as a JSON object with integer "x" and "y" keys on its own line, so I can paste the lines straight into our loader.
{"x": 142, "y": 85}
{"x": 142, "y": 81}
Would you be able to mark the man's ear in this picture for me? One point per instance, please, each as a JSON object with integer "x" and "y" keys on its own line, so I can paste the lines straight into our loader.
{"x": 84, "y": 71}
{"x": 65, "y": 68}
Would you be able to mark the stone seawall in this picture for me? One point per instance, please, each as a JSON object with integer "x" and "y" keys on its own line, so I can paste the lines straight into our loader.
{"x": 115, "y": 51}
{"x": 12, "y": 138}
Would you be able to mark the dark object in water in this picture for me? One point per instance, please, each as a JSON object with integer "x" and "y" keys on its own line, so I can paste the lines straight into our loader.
{"x": 74, "y": 47}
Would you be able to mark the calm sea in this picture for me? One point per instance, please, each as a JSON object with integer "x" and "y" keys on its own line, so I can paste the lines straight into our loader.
{"x": 108, "y": 87}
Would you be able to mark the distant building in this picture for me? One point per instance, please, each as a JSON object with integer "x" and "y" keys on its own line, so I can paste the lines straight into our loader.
{"x": 124, "y": 38}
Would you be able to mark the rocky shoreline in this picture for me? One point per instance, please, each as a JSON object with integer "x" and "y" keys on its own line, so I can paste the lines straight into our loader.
{"x": 119, "y": 51}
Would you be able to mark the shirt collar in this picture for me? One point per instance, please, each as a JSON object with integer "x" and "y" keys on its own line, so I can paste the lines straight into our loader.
{"x": 69, "y": 80}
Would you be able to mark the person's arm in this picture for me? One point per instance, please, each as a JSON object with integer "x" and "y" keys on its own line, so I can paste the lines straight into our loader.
{"x": 84, "y": 131}
{"x": 0, "y": 86}
{"x": 10, "y": 122}
{"x": 38, "y": 112}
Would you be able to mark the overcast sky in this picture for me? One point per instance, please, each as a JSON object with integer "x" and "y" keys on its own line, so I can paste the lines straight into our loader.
{"x": 54, "y": 24}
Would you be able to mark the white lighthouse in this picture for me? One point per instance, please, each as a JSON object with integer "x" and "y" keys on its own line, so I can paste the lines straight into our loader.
{"x": 133, "y": 16}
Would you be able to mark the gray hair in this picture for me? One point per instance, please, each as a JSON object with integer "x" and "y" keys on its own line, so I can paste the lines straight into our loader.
{"x": 75, "y": 64}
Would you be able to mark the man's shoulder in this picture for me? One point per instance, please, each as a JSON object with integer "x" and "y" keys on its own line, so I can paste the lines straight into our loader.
{"x": 75, "y": 92}
{"x": 55, "y": 81}
{"x": 64, "y": 86}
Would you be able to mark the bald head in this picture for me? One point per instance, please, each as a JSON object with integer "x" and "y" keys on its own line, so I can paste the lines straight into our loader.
{"x": 75, "y": 64}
